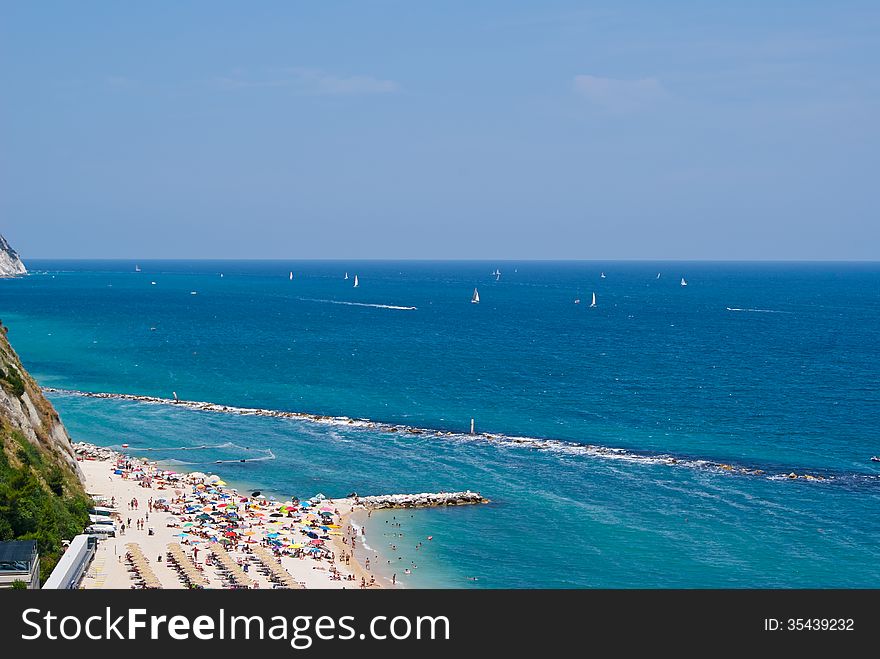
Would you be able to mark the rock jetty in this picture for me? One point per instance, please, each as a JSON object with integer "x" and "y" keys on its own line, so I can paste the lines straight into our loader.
{"x": 423, "y": 500}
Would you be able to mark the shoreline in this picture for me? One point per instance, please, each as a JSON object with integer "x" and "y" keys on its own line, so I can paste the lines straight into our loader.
{"x": 158, "y": 507}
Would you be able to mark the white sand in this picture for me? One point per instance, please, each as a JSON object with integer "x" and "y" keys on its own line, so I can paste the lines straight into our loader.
{"x": 108, "y": 569}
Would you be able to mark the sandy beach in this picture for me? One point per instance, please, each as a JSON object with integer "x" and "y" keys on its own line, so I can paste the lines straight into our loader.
{"x": 178, "y": 530}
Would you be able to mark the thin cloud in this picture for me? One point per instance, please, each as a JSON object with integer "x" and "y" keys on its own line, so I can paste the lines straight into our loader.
{"x": 310, "y": 82}
{"x": 618, "y": 95}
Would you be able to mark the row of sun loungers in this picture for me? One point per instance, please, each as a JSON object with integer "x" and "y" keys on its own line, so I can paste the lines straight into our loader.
{"x": 275, "y": 570}
{"x": 231, "y": 570}
{"x": 143, "y": 573}
{"x": 186, "y": 569}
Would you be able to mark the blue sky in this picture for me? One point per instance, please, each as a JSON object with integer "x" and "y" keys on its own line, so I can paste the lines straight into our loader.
{"x": 585, "y": 130}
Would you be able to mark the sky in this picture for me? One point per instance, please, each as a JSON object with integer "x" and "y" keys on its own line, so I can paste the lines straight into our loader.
{"x": 440, "y": 130}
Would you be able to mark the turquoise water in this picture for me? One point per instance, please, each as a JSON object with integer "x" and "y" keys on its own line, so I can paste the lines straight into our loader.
{"x": 789, "y": 383}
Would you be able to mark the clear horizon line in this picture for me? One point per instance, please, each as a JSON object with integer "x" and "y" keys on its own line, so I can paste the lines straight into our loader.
{"x": 456, "y": 260}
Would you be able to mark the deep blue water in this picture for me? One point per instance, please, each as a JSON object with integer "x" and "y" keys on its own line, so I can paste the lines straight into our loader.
{"x": 790, "y": 383}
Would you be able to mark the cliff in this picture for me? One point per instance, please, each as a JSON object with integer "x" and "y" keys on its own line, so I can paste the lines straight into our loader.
{"x": 10, "y": 263}
{"x": 41, "y": 491}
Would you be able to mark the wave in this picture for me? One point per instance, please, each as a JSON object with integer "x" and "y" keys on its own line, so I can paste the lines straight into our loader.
{"x": 360, "y": 304}
{"x": 559, "y": 446}
{"x": 757, "y": 310}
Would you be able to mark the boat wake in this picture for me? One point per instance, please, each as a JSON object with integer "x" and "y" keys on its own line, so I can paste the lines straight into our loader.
{"x": 359, "y": 304}
{"x": 563, "y": 447}
{"x": 757, "y": 310}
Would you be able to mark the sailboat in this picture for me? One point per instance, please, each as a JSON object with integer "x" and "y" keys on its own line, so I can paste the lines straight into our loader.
{"x": 684, "y": 282}
{"x": 356, "y": 281}
{"x": 291, "y": 276}
{"x": 346, "y": 275}
{"x": 137, "y": 268}
{"x": 658, "y": 275}
{"x": 476, "y": 298}
{"x": 577, "y": 300}
{"x": 593, "y": 303}
{"x": 602, "y": 275}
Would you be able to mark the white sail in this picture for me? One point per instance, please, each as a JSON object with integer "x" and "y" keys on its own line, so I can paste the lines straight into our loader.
{"x": 602, "y": 275}
{"x": 498, "y": 276}
{"x": 476, "y": 298}
{"x": 683, "y": 282}
{"x": 658, "y": 275}
{"x": 291, "y": 276}
{"x": 137, "y": 268}
{"x": 356, "y": 281}
{"x": 593, "y": 303}
{"x": 346, "y": 275}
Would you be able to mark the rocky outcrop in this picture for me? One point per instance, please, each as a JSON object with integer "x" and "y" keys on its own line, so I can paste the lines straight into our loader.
{"x": 423, "y": 500}
{"x": 25, "y": 412}
{"x": 10, "y": 263}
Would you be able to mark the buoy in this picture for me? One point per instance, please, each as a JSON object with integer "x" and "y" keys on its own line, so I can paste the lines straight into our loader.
{"x": 125, "y": 446}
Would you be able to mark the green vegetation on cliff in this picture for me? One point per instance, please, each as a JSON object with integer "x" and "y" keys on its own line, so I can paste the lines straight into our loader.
{"x": 41, "y": 496}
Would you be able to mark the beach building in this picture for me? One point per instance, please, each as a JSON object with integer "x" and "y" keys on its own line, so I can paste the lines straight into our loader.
{"x": 19, "y": 561}
{"x": 70, "y": 569}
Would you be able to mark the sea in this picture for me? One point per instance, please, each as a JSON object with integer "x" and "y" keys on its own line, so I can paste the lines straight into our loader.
{"x": 713, "y": 435}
